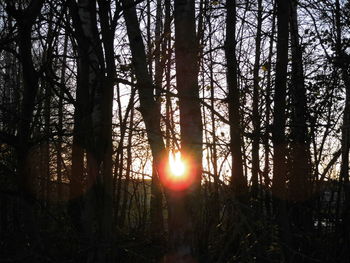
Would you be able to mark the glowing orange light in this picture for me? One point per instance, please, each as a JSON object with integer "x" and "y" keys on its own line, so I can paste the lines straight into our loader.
{"x": 177, "y": 166}
{"x": 177, "y": 174}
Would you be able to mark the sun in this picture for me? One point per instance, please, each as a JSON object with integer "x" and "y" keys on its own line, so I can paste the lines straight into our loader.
{"x": 177, "y": 166}
{"x": 178, "y": 172}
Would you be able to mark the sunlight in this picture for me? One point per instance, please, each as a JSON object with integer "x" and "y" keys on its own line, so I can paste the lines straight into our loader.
{"x": 177, "y": 166}
{"x": 177, "y": 175}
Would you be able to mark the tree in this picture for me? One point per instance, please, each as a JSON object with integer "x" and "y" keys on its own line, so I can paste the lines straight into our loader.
{"x": 149, "y": 107}
{"x": 256, "y": 115}
{"x": 300, "y": 178}
{"x": 343, "y": 62}
{"x": 238, "y": 181}
{"x": 212, "y": 84}
{"x": 93, "y": 116}
{"x": 279, "y": 122}
{"x": 26, "y": 18}
{"x": 184, "y": 205}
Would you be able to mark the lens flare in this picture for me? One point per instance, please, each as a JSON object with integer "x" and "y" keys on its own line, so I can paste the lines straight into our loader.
{"x": 177, "y": 175}
{"x": 177, "y": 166}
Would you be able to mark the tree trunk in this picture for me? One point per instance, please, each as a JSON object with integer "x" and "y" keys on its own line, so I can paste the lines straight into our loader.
{"x": 238, "y": 181}
{"x": 81, "y": 113}
{"x": 60, "y": 122}
{"x": 343, "y": 62}
{"x": 300, "y": 174}
{"x": 300, "y": 178}
{"x": 279, "y": 118}
{"x": 93, "y": 122}
{"x": 268, "y": 67}
{"x": 118, "y": 167}
{"x": 105, "y": 135}
{"x": 156, "y": 209}
{"x": 184, "y": 204}
{"x": 25, "y": 19}
{"x": 121, "y": 221}
{"x": 149, "y": 107}
{"x": 256, "y": 114}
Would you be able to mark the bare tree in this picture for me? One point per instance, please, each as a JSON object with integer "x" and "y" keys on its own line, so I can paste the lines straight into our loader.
{"x": 256, "y": 114}
{"x": 300, "y": 178}
{"x": 279, "y": 122}
{"x": 25, "y": 19}
{"x": 149, "y": 107}
{"x": 238, "y": 181}
{"x": 93, "y": 115}
{"x": 343, "y": 62}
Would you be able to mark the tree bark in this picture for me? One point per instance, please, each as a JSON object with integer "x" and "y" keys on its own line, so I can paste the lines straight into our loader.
{"x": 121, "y": 221}
{"x": 93, "y": 123}
{"x": 300, "y": 178}
{"x": 238, "y": 181}
{"x": 156, "y": 209}
{"x": 149, "y": 107}
{"x": 256, "y": 114}
{"x": 268, "y": 67}
{"x": 279, "y": 123}
{"x": 60, "y": 122}
{"x": 343, "y": 62}
{"x": 300, "y": 174}
{"x": 214, "y": 156}
{"x": 25, "y": 19}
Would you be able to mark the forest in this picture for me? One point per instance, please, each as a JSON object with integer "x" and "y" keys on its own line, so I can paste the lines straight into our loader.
{"x": 185, "y": 131}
